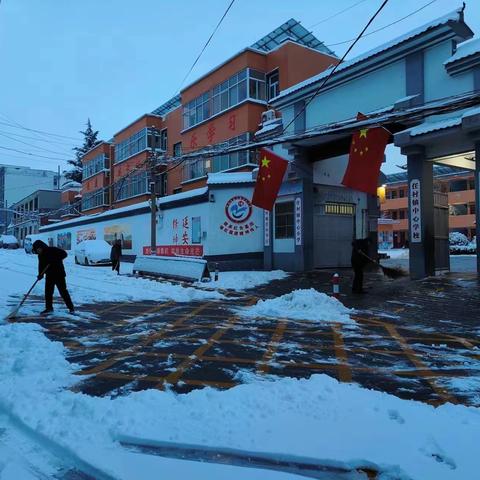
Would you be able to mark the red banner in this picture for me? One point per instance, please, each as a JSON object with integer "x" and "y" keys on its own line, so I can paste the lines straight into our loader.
{"x": 176, "y": 250}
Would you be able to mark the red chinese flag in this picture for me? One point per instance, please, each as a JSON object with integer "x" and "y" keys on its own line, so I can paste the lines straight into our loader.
{"x": 270, "y": 175}
{"x": 366, "y": 156}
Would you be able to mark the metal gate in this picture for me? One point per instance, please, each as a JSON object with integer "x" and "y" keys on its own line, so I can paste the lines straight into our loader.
{"x": 333, "y": 232}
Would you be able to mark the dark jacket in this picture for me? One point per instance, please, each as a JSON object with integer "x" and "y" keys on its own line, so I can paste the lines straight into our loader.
{"x": 115, "y": 253}
{"x": 359, "y": 247}
{"x": 51, "y": 256}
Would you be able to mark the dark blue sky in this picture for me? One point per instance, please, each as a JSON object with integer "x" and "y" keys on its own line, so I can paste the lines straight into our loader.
{"x": 63, "y": 61}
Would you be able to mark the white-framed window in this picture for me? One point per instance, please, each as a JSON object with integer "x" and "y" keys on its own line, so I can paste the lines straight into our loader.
{"x": 284, "y": 220}
{"x": 196, "y": 230}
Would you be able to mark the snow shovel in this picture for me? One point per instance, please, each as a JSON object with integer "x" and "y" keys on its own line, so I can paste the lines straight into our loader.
{"x": 14, "y": 312}
{"x": 395, "y": 272}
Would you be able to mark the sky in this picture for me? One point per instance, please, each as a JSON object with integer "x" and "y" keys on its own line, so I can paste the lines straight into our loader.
{"x": 63, "y": 61}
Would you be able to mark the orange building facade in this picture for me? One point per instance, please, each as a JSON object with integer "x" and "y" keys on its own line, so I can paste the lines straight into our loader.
{"x": 458, "y": 184}
{"x": 222, "y": 108}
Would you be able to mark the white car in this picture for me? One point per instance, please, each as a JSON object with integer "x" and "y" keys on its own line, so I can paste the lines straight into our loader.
{"x": 9, "y": 241}
{"x": 93, "y": 252}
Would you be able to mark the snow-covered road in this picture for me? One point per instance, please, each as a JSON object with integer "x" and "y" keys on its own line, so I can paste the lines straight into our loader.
{"x": 318, "y": 418}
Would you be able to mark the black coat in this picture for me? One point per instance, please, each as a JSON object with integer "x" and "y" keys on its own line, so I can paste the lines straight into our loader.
{"x": 359, "y": 247}
{"x": 51, "y": 256}
{"x": 115, "y": 253}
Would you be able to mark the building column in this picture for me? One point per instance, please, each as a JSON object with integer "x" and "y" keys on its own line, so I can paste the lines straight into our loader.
{"x": 477, "y": 202}
{"x": 303, "y": 211}
{"x": 420, "y": 214}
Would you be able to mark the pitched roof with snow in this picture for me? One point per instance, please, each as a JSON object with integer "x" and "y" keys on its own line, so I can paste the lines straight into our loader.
{"x": 455, "y": 16}
{"x": 464, "y": 50}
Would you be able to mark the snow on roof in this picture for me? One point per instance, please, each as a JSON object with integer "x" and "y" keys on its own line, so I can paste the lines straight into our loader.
{"x": 465, "y": 49}
{"x": 269, "y": 126}
{"x": 433, "y": 124}
{"x": 226, "y": 178}
{"x": 452, "y": 16}
{"x": 197, "y": 192}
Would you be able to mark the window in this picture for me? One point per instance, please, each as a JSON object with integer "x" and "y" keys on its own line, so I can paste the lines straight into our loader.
{"x": 472, "y": 209}
{"x": 131, "y": 186}
{"x": 95, "y": 199}
{"x": 339, "y": 209}
{"x": 460, "y": 209}
{"x": 163, "y": 140}
{"x": 394, "y": 194}
{"x": 177, "y": 149}
{"x": 401, "y": 193}
{"x": 402, "y": 214}
{"x": 137, "y": 143}
{"x": 394, "y": 214}
{"x": 458, "y": 185}
{"x": 273, "y": 84}
{"x": 200, "y": 167}
{"x": 256, "y": 85}
{"x": 196, "y": 230}
{"x": 471, "y": 184}
{"x": 35, "y": 204}
{"x": 231, "y": 92}
{"x": 284, "y": 220}
{"x": 94, "y": 166}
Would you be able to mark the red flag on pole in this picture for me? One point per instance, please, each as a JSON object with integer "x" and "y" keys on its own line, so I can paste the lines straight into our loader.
{"x": 271, "y": 170}
{"x": 366, "y": 155}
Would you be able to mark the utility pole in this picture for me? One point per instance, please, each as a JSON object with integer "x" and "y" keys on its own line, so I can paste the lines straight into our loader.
{"x": 153, "y": 197}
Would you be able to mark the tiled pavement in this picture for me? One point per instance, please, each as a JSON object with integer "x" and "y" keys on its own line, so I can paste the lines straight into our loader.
{"x": 417, "y": 340}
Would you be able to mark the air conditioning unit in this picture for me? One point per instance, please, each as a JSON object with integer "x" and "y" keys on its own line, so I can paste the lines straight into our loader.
{"x": 269, "y": 115}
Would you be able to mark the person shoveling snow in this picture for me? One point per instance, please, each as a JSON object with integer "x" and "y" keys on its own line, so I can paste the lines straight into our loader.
{"x": 54, "y": 275}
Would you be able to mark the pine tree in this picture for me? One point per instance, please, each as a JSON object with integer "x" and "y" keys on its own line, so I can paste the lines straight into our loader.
{"x": 90, "y": 140}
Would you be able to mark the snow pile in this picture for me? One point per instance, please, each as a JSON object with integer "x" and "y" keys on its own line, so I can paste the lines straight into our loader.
{"x": 244, "y": 280}
{"x": 302, "y": 305}
{"x": 318, "y": 418}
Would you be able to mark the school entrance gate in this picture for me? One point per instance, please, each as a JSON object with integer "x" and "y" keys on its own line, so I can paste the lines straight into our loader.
{"x": 333, "y": 232}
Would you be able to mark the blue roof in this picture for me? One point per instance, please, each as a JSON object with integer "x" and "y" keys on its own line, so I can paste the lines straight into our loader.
{"x": 294, "y": 31}
{"x": 168, "y": 106}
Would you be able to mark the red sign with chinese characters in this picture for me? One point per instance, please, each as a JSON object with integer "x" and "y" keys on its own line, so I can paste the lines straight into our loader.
{"x": 176, "y": 250}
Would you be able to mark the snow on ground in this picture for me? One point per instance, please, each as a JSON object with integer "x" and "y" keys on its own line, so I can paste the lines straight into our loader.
{"x": 458, "y": 263}
{"x": 306, "y": 304}
{"x": 88, "y": 284}
{"x": 396, "y": 252}
{"x": 244, "y": 280}
{"x": 318, "y": 418}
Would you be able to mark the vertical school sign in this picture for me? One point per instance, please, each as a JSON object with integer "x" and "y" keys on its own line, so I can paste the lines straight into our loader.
{"x": 415, "y": 212}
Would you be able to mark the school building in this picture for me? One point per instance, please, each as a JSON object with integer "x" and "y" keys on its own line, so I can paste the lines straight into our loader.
{"x": 457, "y": 184}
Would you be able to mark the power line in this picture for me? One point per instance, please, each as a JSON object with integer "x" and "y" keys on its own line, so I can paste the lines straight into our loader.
{"x": 38, "y": 139}
{"x": 40, "y": 131}
{"x": 32, "y": 145}
{"x": 338, "y": 13}
{"x": 207, "y": 42}
{"x": 385, "y": 26}
{"x": 34, "y": 154}
{"x": 336, "y": 66}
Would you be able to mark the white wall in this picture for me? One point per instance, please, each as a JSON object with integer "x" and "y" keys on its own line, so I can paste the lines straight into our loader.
{"x": 214, "y": 240}
{"x": 438, "y": 83}
{"x": 372, "y": 91}
{"x": 219, "y": 242}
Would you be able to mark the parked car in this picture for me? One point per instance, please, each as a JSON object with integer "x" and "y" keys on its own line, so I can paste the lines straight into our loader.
{"x": 28, "y": 242}
{"x": 9, "y": 241}
{"x": 93, "y": 252}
